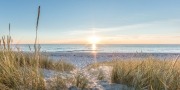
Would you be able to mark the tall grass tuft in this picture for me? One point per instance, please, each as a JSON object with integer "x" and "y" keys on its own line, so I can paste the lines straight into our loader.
{"x": 35, "y": 43}
{"x": 20, "y": 70}
{"x": 37, "y": 24}
{"x": 14, "y": 72}
{"x": 149, "y": 74}
{"x": 9, "y": 29}
{"x": 81, "y": 81}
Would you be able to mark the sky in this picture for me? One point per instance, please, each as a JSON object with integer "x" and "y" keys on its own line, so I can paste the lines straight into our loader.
{"x": 74, "y": 21}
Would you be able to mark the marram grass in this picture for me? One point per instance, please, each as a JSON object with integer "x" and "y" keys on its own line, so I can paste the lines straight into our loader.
{"x": 14, "y": 72}
{"x": 147, "y": 74}
{"x": 18, "y": 70}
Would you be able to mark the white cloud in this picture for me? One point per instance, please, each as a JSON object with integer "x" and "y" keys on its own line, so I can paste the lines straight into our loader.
{"x": 155, "y": 26}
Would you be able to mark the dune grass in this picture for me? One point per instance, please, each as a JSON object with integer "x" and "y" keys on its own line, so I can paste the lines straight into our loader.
{"x": 144, "y": 73}
{"x": 18, "y": 70}
{"x": 148, "y": 74}
{"x": 15, "y": 73}
{"x": 44, "y": 62}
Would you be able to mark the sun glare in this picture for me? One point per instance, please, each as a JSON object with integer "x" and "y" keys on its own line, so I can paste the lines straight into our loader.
{"x": 94, "y": 47}
{"x": 94, "y": 39}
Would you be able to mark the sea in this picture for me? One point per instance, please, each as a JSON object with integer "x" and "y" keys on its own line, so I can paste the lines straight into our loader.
{"x": 102, "y": 48}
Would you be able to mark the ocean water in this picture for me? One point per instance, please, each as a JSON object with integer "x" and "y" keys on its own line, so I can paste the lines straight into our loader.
{"x": 103, "y": 48}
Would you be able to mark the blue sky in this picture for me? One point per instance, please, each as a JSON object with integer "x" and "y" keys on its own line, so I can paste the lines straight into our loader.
{"x": 73, "y": 21}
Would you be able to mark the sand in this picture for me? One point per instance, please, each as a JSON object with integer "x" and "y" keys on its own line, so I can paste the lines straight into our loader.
{"x": 83, "y": 59}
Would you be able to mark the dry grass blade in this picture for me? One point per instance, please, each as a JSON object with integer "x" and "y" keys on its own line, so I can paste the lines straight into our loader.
{"x": 175, "y": 61}
{"x": 4, "y": 42}
{"x": 9, "y": 29}
{"x": 0, "y": 42}
{"x": 38, "y": 18}
{"x": 37, "y": 24}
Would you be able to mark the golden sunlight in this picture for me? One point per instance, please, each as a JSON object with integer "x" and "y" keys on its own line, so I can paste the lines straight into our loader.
{"x": 94, "y": 39}
{"x": 94, "y": 47}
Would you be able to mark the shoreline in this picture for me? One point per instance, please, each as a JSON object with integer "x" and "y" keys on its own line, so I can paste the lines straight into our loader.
{"x": 80, "y": 59}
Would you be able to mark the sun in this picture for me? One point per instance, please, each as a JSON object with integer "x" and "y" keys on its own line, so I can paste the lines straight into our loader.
{"x": 94, "y": 39}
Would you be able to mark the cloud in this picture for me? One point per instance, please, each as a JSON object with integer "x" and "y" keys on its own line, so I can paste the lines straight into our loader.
{"x": 142, "y": 26}
{"x": 142, "y": 39}
{"x": 147, "y": 27}
{"x": 166, "y": 31}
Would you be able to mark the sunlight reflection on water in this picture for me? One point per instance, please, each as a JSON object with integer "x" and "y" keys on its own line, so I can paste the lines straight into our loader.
{"x": 94, "y": 51}
{"x": 94, "y": 47}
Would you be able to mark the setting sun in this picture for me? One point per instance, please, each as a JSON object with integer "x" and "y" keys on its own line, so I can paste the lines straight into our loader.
{"x": 94, "y": 39}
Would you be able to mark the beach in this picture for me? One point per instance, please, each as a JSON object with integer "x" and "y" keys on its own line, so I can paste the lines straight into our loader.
{"x": 80, "y": 59}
